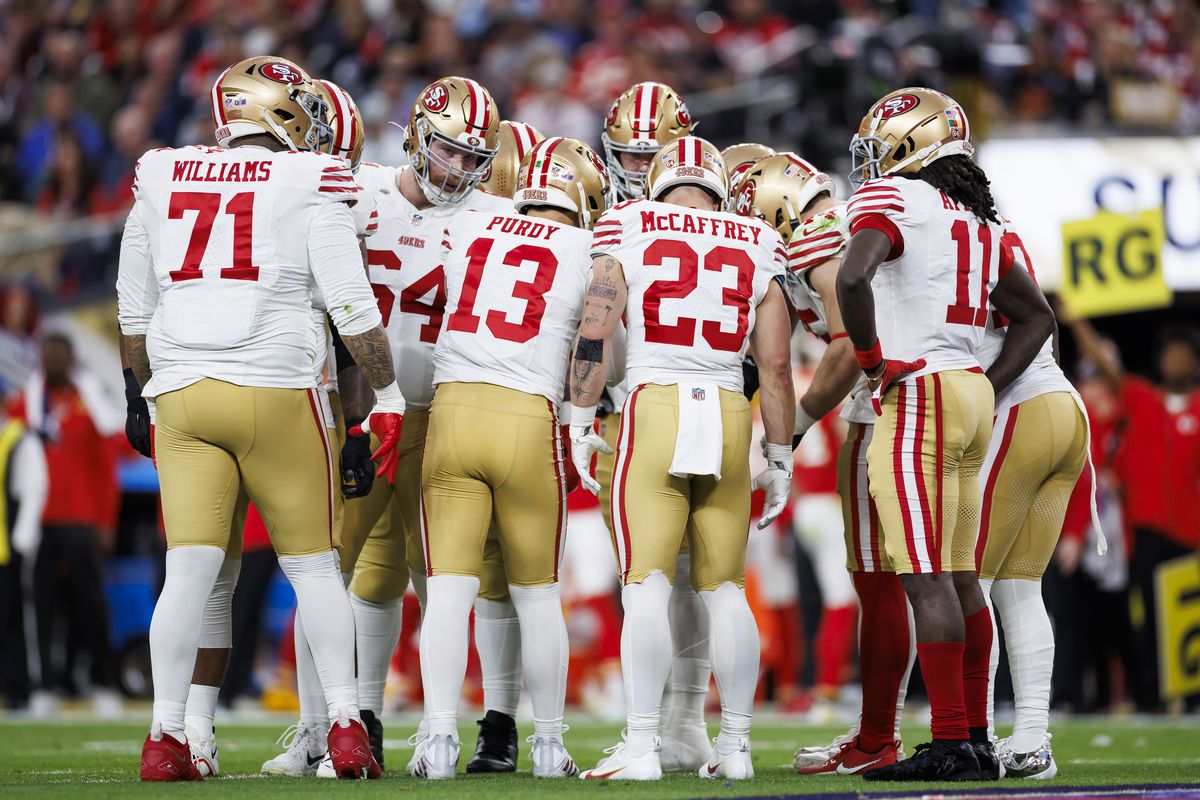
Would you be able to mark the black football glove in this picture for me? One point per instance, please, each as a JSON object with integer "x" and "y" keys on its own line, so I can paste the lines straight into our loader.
{"x": 137, "y": 416}
{"x": 358, "y": 470}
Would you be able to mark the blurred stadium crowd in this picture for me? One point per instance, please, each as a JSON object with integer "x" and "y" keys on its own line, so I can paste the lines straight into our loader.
{"x": 87, "y": 87}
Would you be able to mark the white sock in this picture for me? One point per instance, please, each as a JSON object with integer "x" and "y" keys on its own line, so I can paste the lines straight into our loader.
{"x": 444, "y": 641}
{"x": 902, "y": 694}
{"x": 377, "y": 632}
{"x": 498, "y": 641}
{"x": 1030, "y": 642}
{"x": 545, "y": 650}
{"x": 329, "y": 625}
{"x": 417, "y": 579}
{"x": 313, "y": 712}
{"x": 734, "y": 650}
{"x": 201, "y": 708}
{"x": 191, "y": 572}
{"x": 645, "y": 658}
{"x": 985, "y": 586}
{"x": 687, "y": 685}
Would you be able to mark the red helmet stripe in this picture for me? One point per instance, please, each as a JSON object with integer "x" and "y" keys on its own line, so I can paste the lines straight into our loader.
{"x": 218, "y": 106}
{"x": 683, "y": 151}
{"x": 699, "y": 153}
{"x": 342, "y": 114}
{"x": 653, "y": 107}
{"x": 550, "y": 147}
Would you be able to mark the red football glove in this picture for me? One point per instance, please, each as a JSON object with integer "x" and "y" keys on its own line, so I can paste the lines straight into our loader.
{"x": 386, "y": 426}
{"x": 893, "y": 372}
{"x": 570, "y": 474}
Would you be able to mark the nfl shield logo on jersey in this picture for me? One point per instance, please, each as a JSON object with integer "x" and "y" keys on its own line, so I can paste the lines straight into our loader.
{"x": 697, "y": 393}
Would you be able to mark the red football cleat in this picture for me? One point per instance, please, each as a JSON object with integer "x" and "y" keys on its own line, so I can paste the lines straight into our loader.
{"x": 350, "y": 751}
{"x": 167, "y": 759}
{"x": 850, "y": 760}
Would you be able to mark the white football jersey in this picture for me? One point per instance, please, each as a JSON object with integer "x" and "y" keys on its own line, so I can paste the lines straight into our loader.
{"x": 515, "y": 288}
{"x": 931, "y": 294}
{"x": 819, "y": 239}
{"x": 695, "y": 279}
{"x": 220, "y": 257}
{"x": 1043, "y": 375}
{"x": 404, "y": 263}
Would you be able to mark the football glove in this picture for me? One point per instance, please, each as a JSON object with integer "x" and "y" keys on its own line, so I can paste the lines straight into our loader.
{"x": 775, "y": 480}
{"x": 585, "y": 442}
{"x": 385, "y": 421}
{"x": 570, "y": 474}
{"x": 890, "y": 372}
{"x": 358, "y": 471}
{"x": 137, "y": 416}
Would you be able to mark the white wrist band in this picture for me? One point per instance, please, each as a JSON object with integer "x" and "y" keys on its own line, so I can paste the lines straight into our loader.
{"x": 583, "y": 417}
{"x": 389, "y": 397}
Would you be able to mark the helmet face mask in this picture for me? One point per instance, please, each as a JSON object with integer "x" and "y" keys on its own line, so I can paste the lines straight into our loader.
{"x": 866, "y": 154}
{"x": 320, "y": 133}
{"x": 630, "y": 182}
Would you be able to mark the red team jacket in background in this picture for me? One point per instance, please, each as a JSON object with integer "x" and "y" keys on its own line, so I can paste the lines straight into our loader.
{"x": 82, "y": 464}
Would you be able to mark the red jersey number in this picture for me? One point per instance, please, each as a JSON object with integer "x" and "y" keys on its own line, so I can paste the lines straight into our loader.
{"x": 962, "y": 312}
{"x": 207, "y": 205}
{"x": 466, "y": 320}
{"x": 413, "y": 298}
{"x": 683, "y": 331}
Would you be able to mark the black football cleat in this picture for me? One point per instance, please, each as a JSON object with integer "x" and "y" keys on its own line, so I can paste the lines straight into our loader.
{"x": 990, "y": 768}
{"x": 374, "y": 728}
{"x": 496, "y": 747}
{"x": 939, "y": 760}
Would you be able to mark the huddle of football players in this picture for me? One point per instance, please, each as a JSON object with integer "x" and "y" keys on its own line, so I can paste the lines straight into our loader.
{"x": 407, "y": 369}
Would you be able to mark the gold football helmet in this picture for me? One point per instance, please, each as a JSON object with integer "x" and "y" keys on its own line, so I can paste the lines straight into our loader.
{"x": 516, "y": 139}
{"x": 459, "y": 116}
{"x": 688, "y": 161}
{"x": 906, "y": 130}
{"x": 740, "y": 157}
{"x": 567, "y": 174}
{"x": 271, "y": 95}
{"x": 778, "y": 189}
{"x": 347, "y": 135}
{"x": 644, "y": 118}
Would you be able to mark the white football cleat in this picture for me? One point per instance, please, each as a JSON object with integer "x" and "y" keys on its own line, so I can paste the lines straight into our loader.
{"x": 551, "y": 759}
{"x": 733, "y": 765}
{"x": 621, "y": 766}
{"x": 436, "y": 758}
{"x": 304, "y": 749}
{"x": 417, "y": 740}
{"x": 815, "y": 756}
{"x": 685, "y": 749}
{"x": 204, "y": 753}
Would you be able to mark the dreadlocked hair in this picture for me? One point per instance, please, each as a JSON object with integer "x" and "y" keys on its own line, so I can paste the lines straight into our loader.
{"x": 963, "y": 181}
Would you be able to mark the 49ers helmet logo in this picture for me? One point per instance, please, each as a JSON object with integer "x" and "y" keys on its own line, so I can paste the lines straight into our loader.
{"x": 745, "y": 199}
{"x": 598, "y": 164}
{"x": 682, "y": 115}
{"x": 436, "y": 98}
{"x": 281, "y": 73}
{"x": 611, "y": 119}
{"x": 897, "y": 105}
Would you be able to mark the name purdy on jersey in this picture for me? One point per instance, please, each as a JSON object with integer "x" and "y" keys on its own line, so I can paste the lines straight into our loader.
{"x": 819, "y": 239}
{"x": 404, "y": 265}
{"x": 220, "y": 275}
{"x": 695, "y": 279}
{"x": 931, "y": 292}
{"x": 515, "y": 290}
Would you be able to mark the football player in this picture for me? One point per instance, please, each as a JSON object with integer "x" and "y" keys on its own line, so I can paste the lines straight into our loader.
{"x": 741, "y": 157}
{"x": 799, "y": 200}
{"x": 1038, "y": 450}
{"x": 642, "y": 119}
{"x": 924, "y": 257}
{"x": 515, "y": 283}
{"x": 304, "y": 745}
{"x": 452, "y": 137}
{"x": 689, "y": 329}
{"x": 215, "y": 313}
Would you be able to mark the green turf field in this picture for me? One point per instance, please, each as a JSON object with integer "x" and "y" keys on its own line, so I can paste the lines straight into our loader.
{"x": 87, "y": 759}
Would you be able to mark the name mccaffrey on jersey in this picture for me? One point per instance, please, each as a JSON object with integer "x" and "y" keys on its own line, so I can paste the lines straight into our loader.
{"x": 683, "y": 222}
{"x": 524, "y": 227}
{"x": 222, "y": 173}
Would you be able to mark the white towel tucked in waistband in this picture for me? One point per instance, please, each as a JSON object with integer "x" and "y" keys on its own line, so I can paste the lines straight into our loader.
{"x": 698, "y": 443}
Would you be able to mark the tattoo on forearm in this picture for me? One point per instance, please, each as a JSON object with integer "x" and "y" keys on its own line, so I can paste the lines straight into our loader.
{"x": 590, "y": 350}
{"x": 373, "y": 354}
{"x": 138, "y": 358}
{"x": 583, "y": 375}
